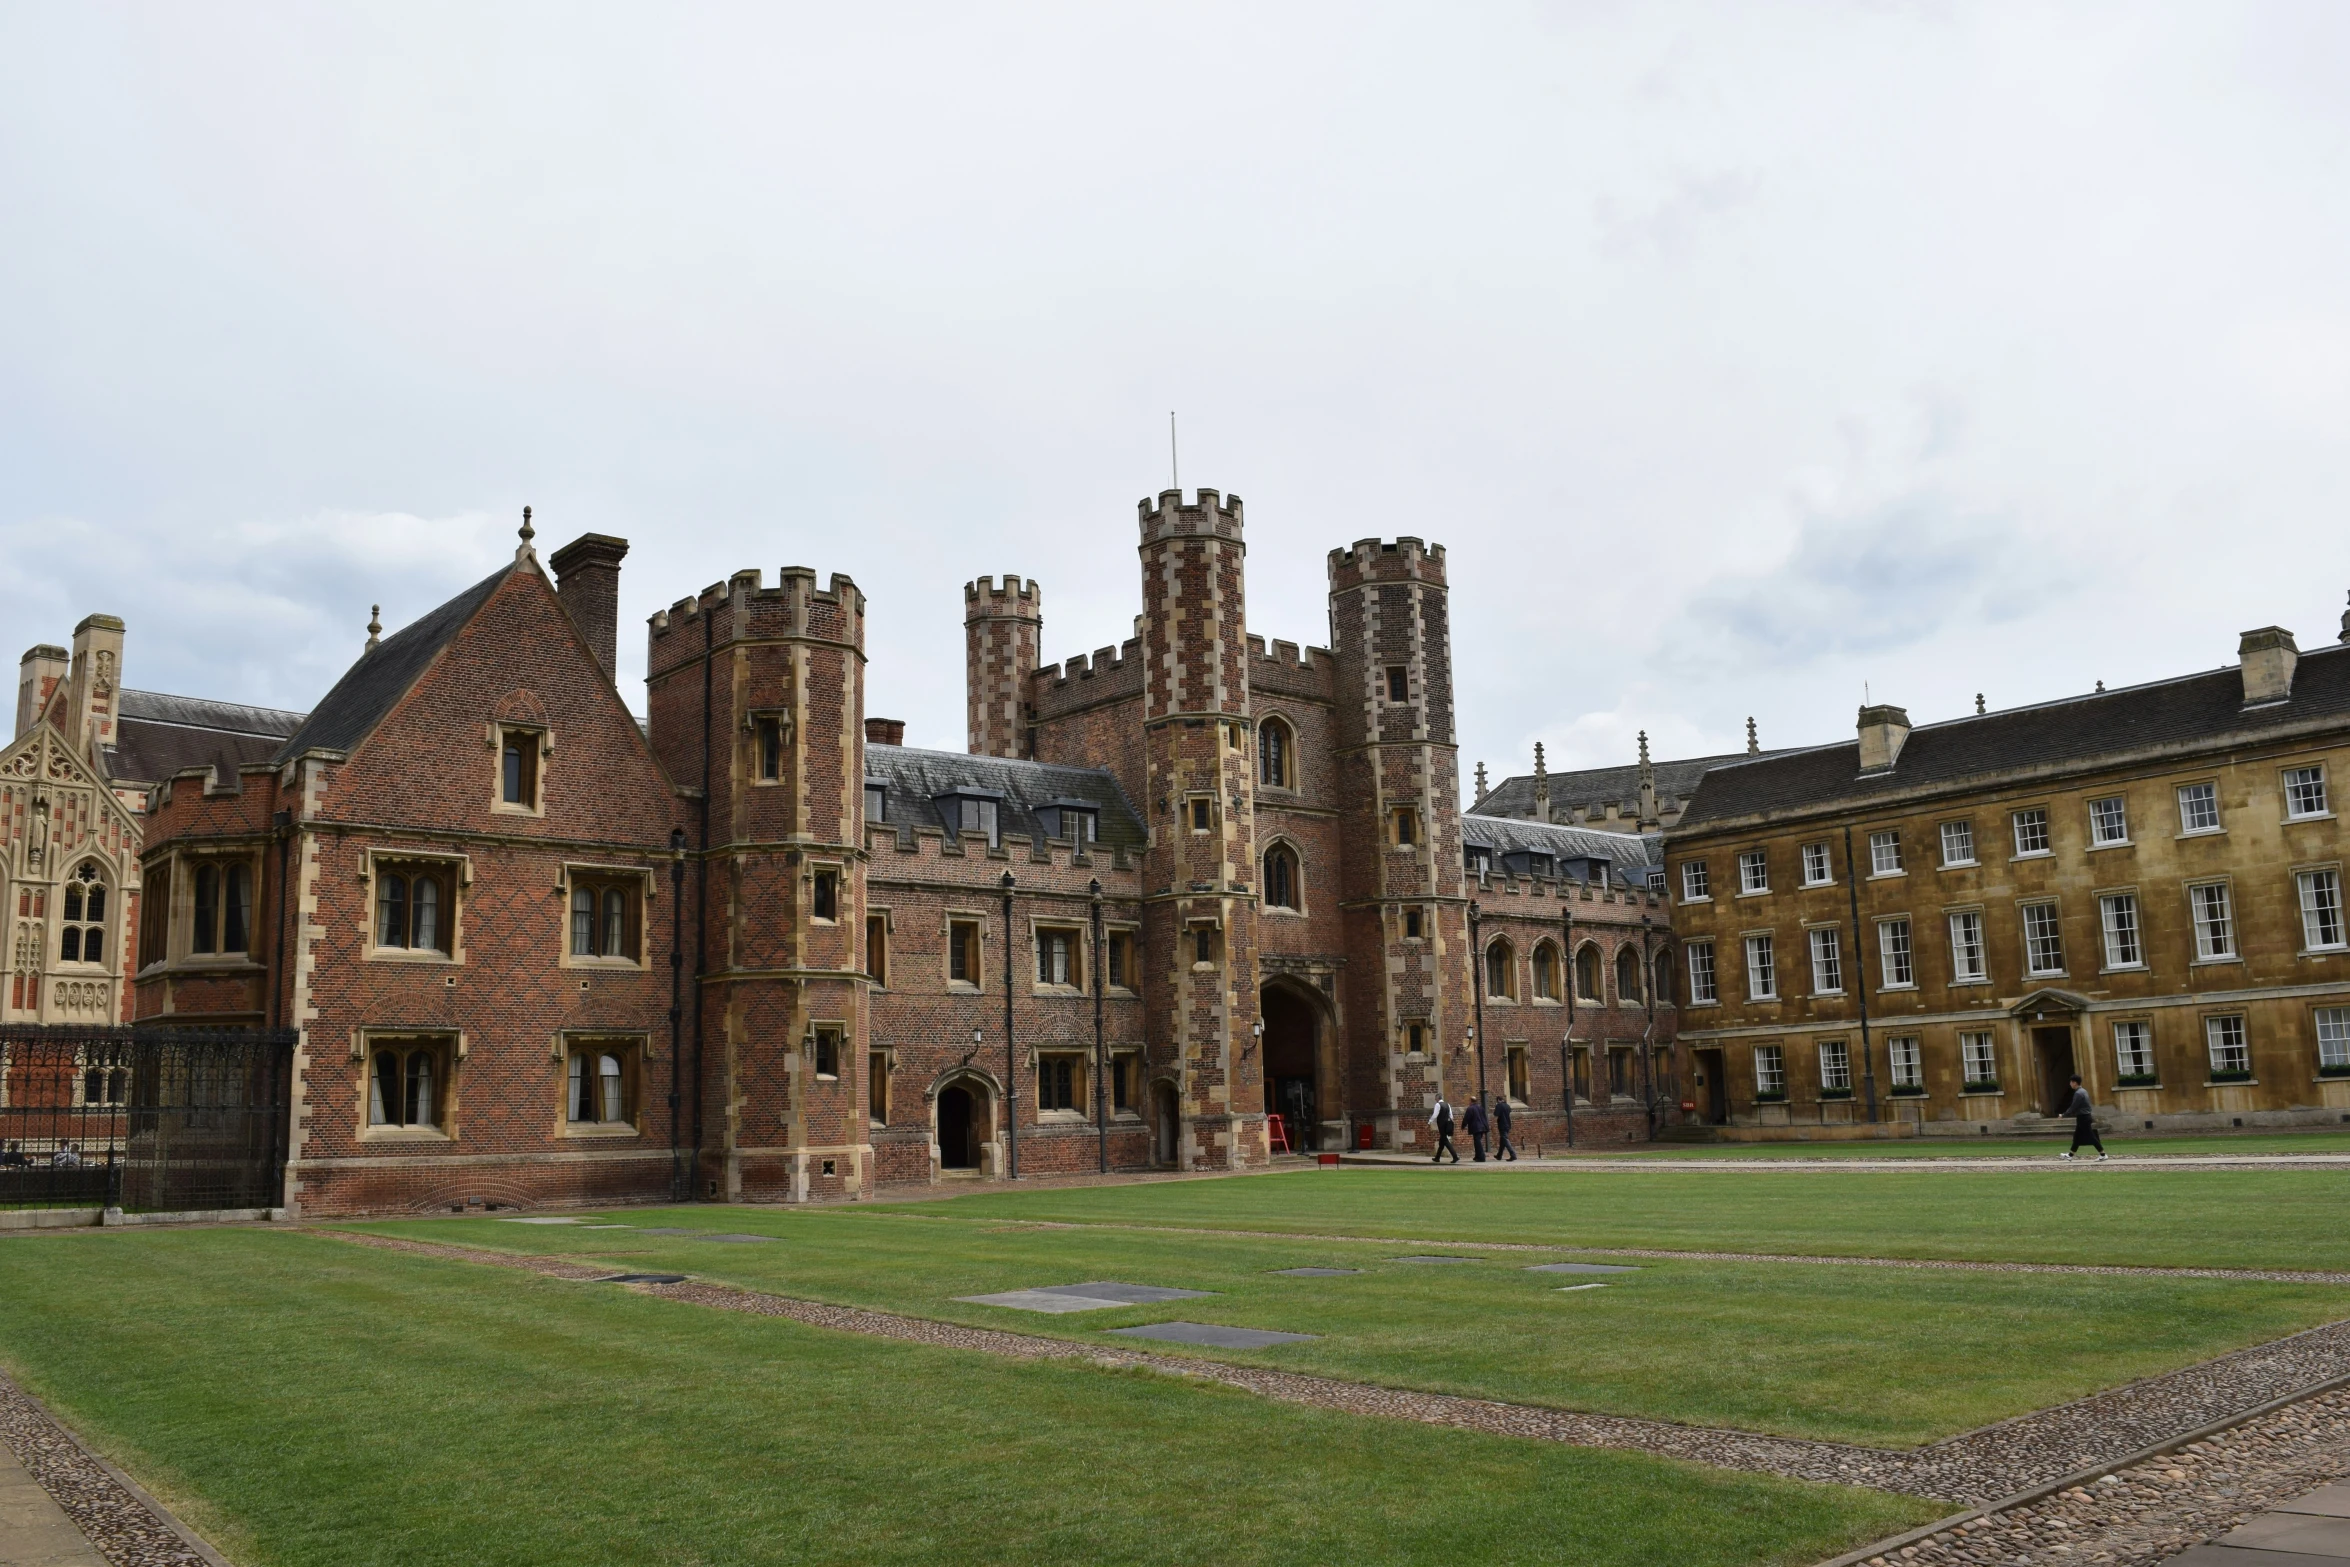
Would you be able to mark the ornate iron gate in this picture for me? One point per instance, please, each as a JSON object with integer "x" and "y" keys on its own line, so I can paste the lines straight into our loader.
{"x": 159, "y": 1120}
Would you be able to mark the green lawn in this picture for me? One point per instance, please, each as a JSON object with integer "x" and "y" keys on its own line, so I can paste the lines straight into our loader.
{"x": 305, "y": 1401}
{"x": 2183, "y": 1217}
{"x": 1883, "y": 1356}
{"x": 2218, "y": 1146}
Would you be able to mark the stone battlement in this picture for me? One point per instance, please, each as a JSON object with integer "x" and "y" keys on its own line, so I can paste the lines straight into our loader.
{"x": 1374, "y": 560}
{"x": 1018, "y": 599}
{"x": 793, "y": 584}
{"x": 1166, "y": 517}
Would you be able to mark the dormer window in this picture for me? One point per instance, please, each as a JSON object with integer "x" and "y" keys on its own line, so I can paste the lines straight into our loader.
{"x": 876, "y": 803}
{"x": 1074, "y": 820}
{"x": 964, "y": 813}
{"x": 1477, "y": 859}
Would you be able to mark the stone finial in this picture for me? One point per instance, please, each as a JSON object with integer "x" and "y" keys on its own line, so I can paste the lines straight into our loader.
{"x": 1753, "y": 746}
{"x": 523, "y": 551}
{"x": 1541, "y": 785}
{"x": 2100, "y": 685}
{"x": 375, "y": 624}
{"x": 2346, "y": 625}
{"x": 1978, "y": 704}
{"x": 1480, "y": 781}
{"x": 1648, "y": 815}
{"x": 1644, "y": 748}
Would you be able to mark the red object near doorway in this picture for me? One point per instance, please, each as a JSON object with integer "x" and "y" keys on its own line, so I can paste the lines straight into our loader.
{"x": 1363, "y": 1135}
{"x": 1688, "y": 1104}
{"x": 1276, "y": 1135}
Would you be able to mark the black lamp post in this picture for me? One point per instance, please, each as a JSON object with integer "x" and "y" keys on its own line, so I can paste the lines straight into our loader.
{"x": 1477, "y": 989}
{"x": 1011, "y": 1062}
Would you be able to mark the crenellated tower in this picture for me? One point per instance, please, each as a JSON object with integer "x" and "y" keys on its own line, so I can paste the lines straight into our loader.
{"x": 1407, "y": 937}
{"x": 756, "y": 697}
{"x": 1200, "y": 869}
{"x": 1002, "y": 630}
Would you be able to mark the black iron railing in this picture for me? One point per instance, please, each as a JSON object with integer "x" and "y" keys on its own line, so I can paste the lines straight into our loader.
{"x": 145, "y": 1119}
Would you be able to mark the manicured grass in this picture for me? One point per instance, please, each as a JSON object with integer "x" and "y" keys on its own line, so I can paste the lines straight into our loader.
{"x": 1883, "y": 1356}
{"x": 2048, "y": 1146}
{"x": 306, "y": 1401}
{"x": 2183, "y": 1217}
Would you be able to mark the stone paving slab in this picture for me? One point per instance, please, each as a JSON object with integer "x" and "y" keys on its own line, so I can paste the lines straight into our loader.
{"x": 34, "y": 1531}
{"x": 1579, "y": 1267}
{"x": 2231, "y": 1556}
{"x": 1124, "y": 1294}
{"x": 2313, "y": 1535}
{"x": 1435, "y": 1259}
{"x": 1213, "y": 1335}
{"x": 2327, "y": 1501}
{"x": 1316, "y": 1273}
{"x": 1038, "y": 1300}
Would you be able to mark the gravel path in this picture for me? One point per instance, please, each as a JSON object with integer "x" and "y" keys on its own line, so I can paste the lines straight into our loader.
{"x": 2113, "y": 1270}
{"x": 1974, "y": 1467}
{"x": 126, "y": 1526}
{"x": 2146, "y": 1514}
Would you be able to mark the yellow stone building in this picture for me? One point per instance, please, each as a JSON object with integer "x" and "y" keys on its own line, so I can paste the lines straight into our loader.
{"x": 1937, "y": 926}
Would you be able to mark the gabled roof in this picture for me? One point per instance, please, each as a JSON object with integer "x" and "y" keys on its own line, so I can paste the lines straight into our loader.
{"x": 2074, "y": 734}
{"x": 1635, "y": 852}
{"x": 371, "y": 688}
{"x": 158, "y": 735}
{"x": 916, "y": 779}
{"x": 1601, "y": 786}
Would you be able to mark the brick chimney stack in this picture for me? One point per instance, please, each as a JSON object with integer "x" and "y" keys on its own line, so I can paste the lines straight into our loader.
{"x": 43, "y": 669}
{"x": 885, "y": 731}
{"x": 587, "y": 579}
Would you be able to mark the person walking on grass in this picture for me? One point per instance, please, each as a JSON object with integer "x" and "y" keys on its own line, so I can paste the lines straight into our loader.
{"x": 1441, "y": 1119}
{"x": 2084, "y": 1122}
{"x": 1501, "y": 1130}
{"x": 1474, "y": 1120}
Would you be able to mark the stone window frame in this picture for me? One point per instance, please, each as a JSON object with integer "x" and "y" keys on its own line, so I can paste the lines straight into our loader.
{"x": 460, "y": 866}
{"x": 1078, "y": 1065}
{"x": 1821, "y": 1063}
{"x": 1885, "y": 952}
{"x": 2105, "y": 897}
{"x": 1113, "y": 984}
{"x": 1746, "y": 940}
{"x": 1415, "y": 925}
{"x": 1596, "y": 996}
{"x": 2099, "y": 821}
{"x": 1690, "y": 967}
{"x": 2213, "y": 1026}
{"x": 881, "y": 917}
{"x": 881, "y": 1070}
{"x": 1403, "y": 828}
{"x": 1696, "y": 881}
{"x": 2023, "y": 923}
{"x": 1951, "y": 915}
{"x": 2145, "y": 1020}
{"x": 1834, "y": 931}
{"x": 977, "y": 920}
{"x": 1756, "y": 859}
{"x": 1546, "y": 946}
{"x": 1199, "y": 813}
{"x": 2235, "y": 925}
{"x": 2301, "y": 909}
{"x": 107, "y": 884}
{"x": 636, "y": 1048}
{"x": 1499, "y": 944}
{"x": 1295, "y": 908}
{"x": 605, "y": 874}
{"x": 1285, "y": 751}
{"x": 2045, "y": 822}
{"x": 1127, "y": 1059}
{"x": 450, "y": 1046}
{"x": 838, "y": 870}
{"x": 1816, "y": 856}
{"x": 2219, "y": 817}
{"x": 767, "y": 727}
{"x": 1213, "y": 932}
{"x": 175, "y": 911}
{"x": 1388, "y": 681}
{"x": 2325, "y": 785}
{"x": 497, "y": 732}
{"x": 821, "y": 1029}
{"x": 1517, "y": 1074}
{"x": 1080, "y": 955}
{"x": 1627, "y": 953}
{"x": 1909, "y": 1084}
{"x": 1880, "y": 839}
{"x": 1942, "y": 838}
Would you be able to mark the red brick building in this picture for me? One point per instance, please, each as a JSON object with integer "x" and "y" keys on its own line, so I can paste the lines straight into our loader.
{"x": 757, "y": 948}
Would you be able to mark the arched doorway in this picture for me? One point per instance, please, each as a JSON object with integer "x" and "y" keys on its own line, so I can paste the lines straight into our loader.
{"x": 1292, "y": 1034}
{"x": 1166, "y": 1126}
{"x": 962, "y": 1119}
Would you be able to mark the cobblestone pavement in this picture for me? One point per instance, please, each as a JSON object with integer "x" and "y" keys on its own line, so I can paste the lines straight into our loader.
{"x": 127, "y": 1528}
{"x": 1972, "y": 1468}
{"x": 2150, "y": 1512}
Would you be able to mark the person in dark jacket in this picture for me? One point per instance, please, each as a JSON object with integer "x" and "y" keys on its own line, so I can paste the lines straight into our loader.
{"x": 1441, "y": 1119}
{"x": 2084, "y": 1121}
{"x": 1475, "y": 1121}
{"x": 1501, "y": 1129}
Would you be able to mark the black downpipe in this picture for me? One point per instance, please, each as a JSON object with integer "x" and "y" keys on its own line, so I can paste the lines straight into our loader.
{"x": 1567, "y": 1041}
{"x": 1860, "y": 979}
{"x": 1011, "y": 1061}
{"x": 283, "y": 821}
{"x": 1101, "y": 1060}
{"x": 1477, "y": 988}
{"x": 680, "y": 1184}
{"x": 702, "y": 894}
{"x": 1648, "y": 1025}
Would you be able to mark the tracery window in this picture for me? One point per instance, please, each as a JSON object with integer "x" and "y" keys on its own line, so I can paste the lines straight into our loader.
{"x": 84, "y": 938}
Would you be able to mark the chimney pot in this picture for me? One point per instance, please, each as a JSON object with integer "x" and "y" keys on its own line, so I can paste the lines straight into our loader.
{"x": 587, "y": 580}
{"x": 2268, "y": 657}
{"x": 885, "y": 731}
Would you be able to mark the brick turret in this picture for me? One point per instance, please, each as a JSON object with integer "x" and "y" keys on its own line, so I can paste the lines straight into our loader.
{"x": 1200, "y": 871}
{"x": 1399, "y": 792}
{"x": 1002, "y": 630}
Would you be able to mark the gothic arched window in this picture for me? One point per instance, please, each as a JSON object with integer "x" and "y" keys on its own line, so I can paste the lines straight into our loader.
{"x": 1587, "y": 974}
{"x": 1628, "y": 976}
{"x": 1501, "y": 971}
{"x": 84, "y": 940}
{"x": 1276, "y": 761}
{"x": 1664, "y": 978}
{"x": 1281, "y": 878}
{"x": 1546, "y": 972}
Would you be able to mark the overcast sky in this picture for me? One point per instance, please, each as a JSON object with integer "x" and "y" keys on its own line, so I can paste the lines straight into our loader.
{"x": 1740, "y": 356}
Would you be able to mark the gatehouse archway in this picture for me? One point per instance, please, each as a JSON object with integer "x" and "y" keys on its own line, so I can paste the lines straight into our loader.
{"x": 1293, "y": 1062}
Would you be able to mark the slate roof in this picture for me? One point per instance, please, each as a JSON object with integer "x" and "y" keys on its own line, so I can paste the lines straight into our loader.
{"x": 916, "y": 779}
{"x": 158, "y": 735}
{"x": 2076, "y": 733}
{"x": 1597, "y": 786}
{"x": 370, "y": 688}
{"x": 1633, "y": 852}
